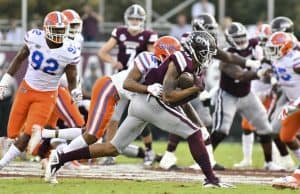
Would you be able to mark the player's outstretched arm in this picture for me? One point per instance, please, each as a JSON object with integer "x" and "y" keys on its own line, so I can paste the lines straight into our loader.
{"x": 17, "y": 60}
{"x": 237, "y": 73}
{"x": 132, "y": 83}
{"x": 170, "y": 94}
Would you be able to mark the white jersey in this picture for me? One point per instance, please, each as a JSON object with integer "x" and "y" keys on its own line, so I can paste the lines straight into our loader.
{"x": 288, "y": 79}
{"x": 45, "y": 65}
{"x": 144, "y": 62}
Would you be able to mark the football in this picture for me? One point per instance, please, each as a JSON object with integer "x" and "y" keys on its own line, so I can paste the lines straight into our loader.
{"x": 185, "y": 80}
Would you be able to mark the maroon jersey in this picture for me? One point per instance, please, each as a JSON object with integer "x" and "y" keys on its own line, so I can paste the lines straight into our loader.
{"x": 130, "y": 46}
{"x": 235, "y": 87}
{"x": 182, "y": 62}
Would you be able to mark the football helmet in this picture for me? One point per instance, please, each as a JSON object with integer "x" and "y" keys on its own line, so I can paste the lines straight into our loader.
{"x": 263, "y": 33}
{"x": 165, "y": 46}
{"x": 236, "y": 36}
{"x": 135, "y": 17}
{"x": 206, "y": 22}
{"x": 75, "y": 22}
{"x": 201, "y": 46}
{"x": 282, "y": 24}
{"x": 278, "y": 45}
{"x": 56, "y": 26}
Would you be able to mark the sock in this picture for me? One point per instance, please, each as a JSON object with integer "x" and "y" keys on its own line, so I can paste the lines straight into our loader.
{"x": 148, "y": 146}
{"x": 61, "y": 147}
{"x": 200, "y": 155}
{"x": 173, "y": 141}
{"x": 10, "y": 155}
{"x": 282, "y": 148}
{"x": 211, "y": 154}
{"x": 77, "y": 143}
{"x": 82, "y": 153}
{"x": 70, "y": 133}
{"x": 141, "y": 153}
{"x": 216, "y": 138}
{"x": 48, "y": 133}
{"x": 131, "y": 151}
{"x": 266, "y": 143}
{"x": 297, "y": 153}
{"x": 247, "y": 143}
{"x": 44, "y": 148}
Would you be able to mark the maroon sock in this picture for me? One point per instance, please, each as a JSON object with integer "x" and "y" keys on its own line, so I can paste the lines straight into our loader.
{"x": 200, "y": 155}
{"x": 82, "y": 153}
{"x": 173, "y": 141}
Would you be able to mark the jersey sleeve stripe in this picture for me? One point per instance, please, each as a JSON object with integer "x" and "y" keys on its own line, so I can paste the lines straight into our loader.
{"x": 181, "y": 61}
{"x": 139, "y": 65}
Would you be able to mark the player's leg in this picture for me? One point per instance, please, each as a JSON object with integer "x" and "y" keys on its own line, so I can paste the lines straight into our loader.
{"x": 247, "y": 145}
{"x": 225, "y": 109}
{"x": 16, "y": 121}
{"x": 252, "y": 109}
{"x": 102, "y": 106}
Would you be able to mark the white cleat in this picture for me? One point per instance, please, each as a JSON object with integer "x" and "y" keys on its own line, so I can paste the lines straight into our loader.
{"x": 195, "y": 166}
{"x": 271, "y": 166}
{"x": 287, "y": 162}
{"x": 207, "y": 184}
{"x": 35, "y": 139}
{"x": 52, "y": 167}
{"x": 168, "y": 160}
{"x": 291, "y": 182}
{"x": 243, "y": 164}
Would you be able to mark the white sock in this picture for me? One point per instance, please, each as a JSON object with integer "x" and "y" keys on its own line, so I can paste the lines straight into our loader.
{"x": 77, "y": 143}
{"x": 247, "y": 142}
{"x": 48, "y": 133}
{"x": 211, "y": 154}
{"x": 61, "y": 147}
{"x": 297, "y": 153}
{"x": 70, "y": 133}
{"x": 10, "y": 155}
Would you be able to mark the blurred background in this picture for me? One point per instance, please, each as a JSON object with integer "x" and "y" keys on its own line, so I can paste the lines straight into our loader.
{"x": 100, "y": 17}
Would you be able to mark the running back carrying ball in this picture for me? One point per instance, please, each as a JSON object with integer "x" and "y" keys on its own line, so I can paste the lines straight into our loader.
{"x": 185, "y": 80}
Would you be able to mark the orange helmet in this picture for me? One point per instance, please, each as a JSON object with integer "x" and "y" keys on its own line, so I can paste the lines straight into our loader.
{"x": 165, "y": 46}
{"x": 278, "y": 45}
{"x": 263, "y": 33}
{"x": 75, "y": 22}
{"x": 56, "y": 26}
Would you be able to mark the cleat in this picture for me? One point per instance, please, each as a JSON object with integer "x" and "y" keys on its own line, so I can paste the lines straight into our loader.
{"x": 218, "y": 184}
{"x": 287, "y": 162}
{"x": 149, "y": 158}
{"x": 35, "y": 139}
{"x": 243, "y": 164}
{"x": 271, "y": 166}
{"x": 168, "y": 161}
{"x": 195, "y": 166}
{"x": 52, "y": 167}
{"x": 108, "y": 161}
{"x": 291, "y": 182}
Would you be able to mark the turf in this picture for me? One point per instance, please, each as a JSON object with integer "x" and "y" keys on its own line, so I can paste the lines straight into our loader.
{"x": 90, "y": 186}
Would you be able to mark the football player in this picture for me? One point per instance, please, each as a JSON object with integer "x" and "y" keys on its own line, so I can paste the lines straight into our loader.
{"x": 131, "y": 40}
{"x": 235, "y": 95}
{"x": 158, "y": 109}
{"x": 280, "y": 49}
{"x": 49, "y": 57}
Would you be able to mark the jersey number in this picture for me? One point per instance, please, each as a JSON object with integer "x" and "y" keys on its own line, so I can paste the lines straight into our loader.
{"x": 37, "y": 59}
{"x": 283, "y": 74}
{"x": 132, "y": 53}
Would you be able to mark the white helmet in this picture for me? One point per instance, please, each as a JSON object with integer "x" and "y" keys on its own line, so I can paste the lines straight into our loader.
{"x": 75, "y": 22}
{"x": 135, "y": 11}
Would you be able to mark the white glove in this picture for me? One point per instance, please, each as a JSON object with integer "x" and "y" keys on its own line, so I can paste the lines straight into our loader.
{"x": 287, "y": 110}
{"x": 253, "y": 64}
{"x": 4, "y": 83}
{"x": 155, "y": 89}
{"x": 258, "y": 53}
{"x": 77, "y": 95}
{"x": 204, "y": 95}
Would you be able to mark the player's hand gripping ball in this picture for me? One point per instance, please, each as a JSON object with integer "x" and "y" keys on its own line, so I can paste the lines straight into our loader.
{"x": 185, "y": 80}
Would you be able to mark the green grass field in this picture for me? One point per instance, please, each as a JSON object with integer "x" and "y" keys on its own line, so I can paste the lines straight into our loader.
{"x": 227, "y": 154}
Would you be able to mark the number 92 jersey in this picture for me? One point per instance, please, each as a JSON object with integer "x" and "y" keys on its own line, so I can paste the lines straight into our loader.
{"x": 45, "y": 65}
